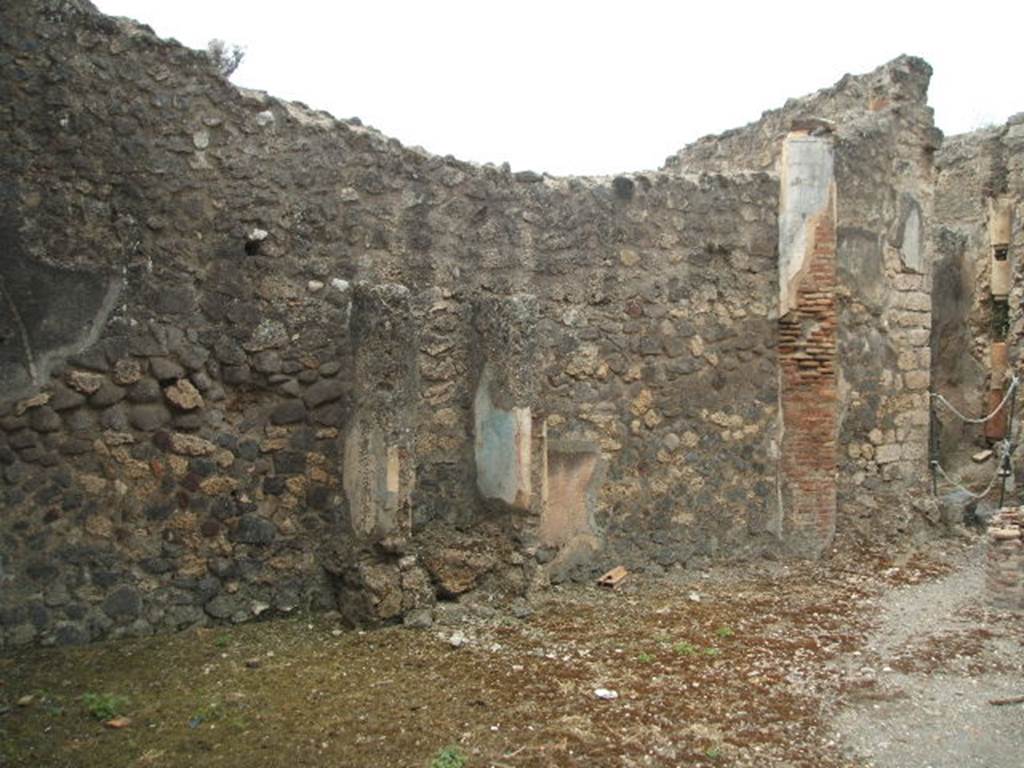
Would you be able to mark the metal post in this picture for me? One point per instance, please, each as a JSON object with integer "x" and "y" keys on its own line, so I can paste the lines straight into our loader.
{"x": 1005, "y": 469}
{"x": 934, "y": 437}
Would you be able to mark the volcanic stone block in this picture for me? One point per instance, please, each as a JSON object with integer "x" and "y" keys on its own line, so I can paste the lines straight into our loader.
{"x": 253, "y": 529}
{"x": 288, "y": 412}
{"x": 379, "y": 463}
{"x": 507, "y": 328}
{"x": 123, "y": 603}
{"x": 108, "y": 394}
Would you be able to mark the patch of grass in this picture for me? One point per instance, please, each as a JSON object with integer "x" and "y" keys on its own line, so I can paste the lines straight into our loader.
{"x": 684, "y": 648}
{"x": 8, "y": 750}
{"x": 205, "y": 714}
{"x": 50, "y": 703}
{"x": 449, "y": 757}
{"x": 645, "y": 658}
{"x": 222, "y": 641}
{"x": 52, "y": 706}
{"x": 711, "y": 651}
{"x": 725, "y": 632}
{"x": 104, "y": 706}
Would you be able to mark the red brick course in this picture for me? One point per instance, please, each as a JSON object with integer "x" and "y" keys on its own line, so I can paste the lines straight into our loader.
{"x": 809, "y": 397}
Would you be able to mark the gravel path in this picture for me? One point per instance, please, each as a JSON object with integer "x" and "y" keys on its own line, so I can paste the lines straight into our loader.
{"x": 924, "y": 679}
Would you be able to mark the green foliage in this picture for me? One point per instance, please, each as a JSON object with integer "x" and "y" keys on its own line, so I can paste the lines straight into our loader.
{"x": 725, "y": 632}
{"x": 645, "y": 658}
{"x": 449, "y": 757}
{"x": 222, "y": 641}
{"x": 104, "y": 706}
{"x": 206, "y": 713}
{"x": 711, "y": 651}
{"x": 50, "y": 703}
{"x": 684, "y": 648}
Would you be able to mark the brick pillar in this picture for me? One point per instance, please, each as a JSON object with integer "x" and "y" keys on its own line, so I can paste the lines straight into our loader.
{"x": 807, "y": 342}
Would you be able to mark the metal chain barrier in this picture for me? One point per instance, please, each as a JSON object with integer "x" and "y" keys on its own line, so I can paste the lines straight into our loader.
{"x": 1005, "y": 447}
{"x": 1006, "y": 398}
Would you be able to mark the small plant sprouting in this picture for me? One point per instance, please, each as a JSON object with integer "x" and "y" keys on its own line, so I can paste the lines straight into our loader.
{"x": 711, "y": 651}
{"x": 205, "y": 714}
{"x": 50, "y": 703}
{"x": 222, "y": 641}
{"x": 104, "y": 706}
{"x": 449, "y": 757}
{"x": 684, "y": 648}
{"x": 645, "y": 658}
{"x": 725, "y": 632}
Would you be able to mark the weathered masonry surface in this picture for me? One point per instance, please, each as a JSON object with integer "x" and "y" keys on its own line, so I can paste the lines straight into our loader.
{"x": 977, "y": 332}
{"x": 808, "y": 389}
{"x": 257, "y": 359}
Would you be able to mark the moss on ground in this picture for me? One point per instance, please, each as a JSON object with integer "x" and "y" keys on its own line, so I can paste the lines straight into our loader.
{"x": 301, "y": 692}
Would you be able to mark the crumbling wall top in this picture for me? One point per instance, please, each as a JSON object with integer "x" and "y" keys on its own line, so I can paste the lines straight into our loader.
{"x": 898, "y": 88}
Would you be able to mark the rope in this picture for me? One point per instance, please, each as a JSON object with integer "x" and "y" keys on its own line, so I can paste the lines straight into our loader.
{"x": 1006, "y": 398}
{"x": 968, "y": 491}
{"x": 1006, "y": 448}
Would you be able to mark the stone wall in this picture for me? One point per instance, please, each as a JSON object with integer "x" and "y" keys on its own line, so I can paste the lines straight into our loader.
{"x": 250, "y": 353}
{"x": 884, "y": 143}
{"x": 258, "y": 359}
{"x": 979, "y": 207}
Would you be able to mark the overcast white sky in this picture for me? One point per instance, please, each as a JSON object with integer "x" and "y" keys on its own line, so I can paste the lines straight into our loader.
{"x": 593, "y": 87}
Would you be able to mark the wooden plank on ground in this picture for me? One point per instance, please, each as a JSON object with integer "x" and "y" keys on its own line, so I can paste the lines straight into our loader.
{"x": 613, "y": 577}
{"x": 1004, "y": 702}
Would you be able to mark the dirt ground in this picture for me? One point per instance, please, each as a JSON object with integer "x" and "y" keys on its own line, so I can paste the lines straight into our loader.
{"x": 862, "y": 660}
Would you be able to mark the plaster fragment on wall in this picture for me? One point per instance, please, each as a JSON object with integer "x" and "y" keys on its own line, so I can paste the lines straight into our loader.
{"x": 912, "y": 252}
{"x": 502, "y": 447}
{"x": 572, "y": 479}
{"x": 370, "y": 475}
{"x": 1000, "y": 221}
{"x": 47, "y": 314}
{"x": 379, "y": 460}
{"x": 807, "y": 187}
{"x": 568, "y": 495}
